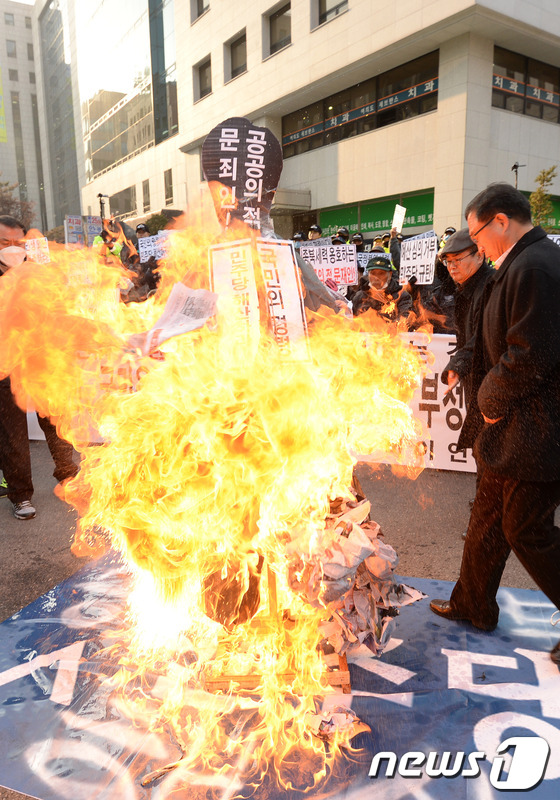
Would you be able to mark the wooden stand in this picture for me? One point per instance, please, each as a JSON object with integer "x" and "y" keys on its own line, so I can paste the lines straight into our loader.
{"x": 337, "y": 673}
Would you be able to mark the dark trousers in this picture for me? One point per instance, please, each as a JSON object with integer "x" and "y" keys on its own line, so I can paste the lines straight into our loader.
{"x": 15, "y": 458}
{"x": 508, "y": 515}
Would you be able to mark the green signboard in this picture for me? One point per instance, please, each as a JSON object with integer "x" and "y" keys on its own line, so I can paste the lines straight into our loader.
{"x": 377, "y": 215}
{"x": 330, "y": 221}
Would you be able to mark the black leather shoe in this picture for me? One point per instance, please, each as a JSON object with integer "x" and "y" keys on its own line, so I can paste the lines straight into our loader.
{"x": 555, "y": 654}
{"x": 443, "y": 609}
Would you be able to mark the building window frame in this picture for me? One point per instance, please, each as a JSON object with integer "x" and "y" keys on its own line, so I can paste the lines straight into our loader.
{"x": 30, "y": 52}
{"x": 198, "y": 9}
{"x": 13, "y": 75}
{"x": 168, "y": 186}
{"x": 202, "y": 78}
{"x": 273, "y": 41}
{"x": 146, "y": 205}
{"x": 327, "y": 10}
{"x": 235, "y": 56}
{"x": 28, "y": 23}
{"x": 11, "y": 48}
{"x": 9, "y": 19}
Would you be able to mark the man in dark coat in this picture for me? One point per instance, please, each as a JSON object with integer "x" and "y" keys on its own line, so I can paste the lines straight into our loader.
{"x": 470, "y": 272}
{"x": 383, "y": 295}
{"x": 516, "y": 368}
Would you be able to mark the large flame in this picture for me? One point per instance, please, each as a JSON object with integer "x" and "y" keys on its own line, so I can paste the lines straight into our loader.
{"x": 209, "y": 465}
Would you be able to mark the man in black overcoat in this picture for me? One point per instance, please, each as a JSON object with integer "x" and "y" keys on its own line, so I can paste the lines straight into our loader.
{"x": 516, "y": 377}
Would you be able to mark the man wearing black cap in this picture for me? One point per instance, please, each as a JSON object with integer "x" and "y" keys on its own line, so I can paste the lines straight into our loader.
{"x": 343, "y": 233}
{"x": 383, "y": 295}
{"x": 142, "y": 231}
{"x": 358, "y": 240}
{"x": 470, "y": 272}
{"x": 315, "y": 232}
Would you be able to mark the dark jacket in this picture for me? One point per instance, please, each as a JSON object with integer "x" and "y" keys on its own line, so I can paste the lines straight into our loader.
{"x": 468, "y": 306}
{"x": 365, "y": 300}
{"x": 516, "y": 364}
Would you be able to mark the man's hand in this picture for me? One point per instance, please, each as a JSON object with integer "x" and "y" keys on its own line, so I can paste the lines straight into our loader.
{"x": 452, "y": 380}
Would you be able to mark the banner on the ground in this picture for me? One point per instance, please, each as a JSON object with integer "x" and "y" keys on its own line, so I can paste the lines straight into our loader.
{"x": 418, "y": 255}
{"x": 335, "y": 261}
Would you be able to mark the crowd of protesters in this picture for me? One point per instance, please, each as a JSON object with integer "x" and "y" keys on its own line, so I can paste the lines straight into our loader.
{"x": 378, "y": 287}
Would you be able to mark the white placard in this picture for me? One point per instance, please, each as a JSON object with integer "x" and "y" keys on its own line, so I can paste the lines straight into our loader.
{"x": 155, "y": 246}
{"x": 335, "y": 261}
{"x": 363, "y": 258}
{"x": 92, "y": 228}
{"x": 418, "y": 256}
{"x": 555, "y": 237}
{"x": 398, "y": 217}
{"x": 73, "y": 229}
{"x": 38, "y": 250}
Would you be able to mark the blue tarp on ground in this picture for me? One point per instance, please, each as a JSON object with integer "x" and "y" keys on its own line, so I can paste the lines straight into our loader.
{"x": 442, "y": 686}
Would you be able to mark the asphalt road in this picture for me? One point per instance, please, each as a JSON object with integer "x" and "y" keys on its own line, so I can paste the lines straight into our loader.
{"x": 422, "y": 519}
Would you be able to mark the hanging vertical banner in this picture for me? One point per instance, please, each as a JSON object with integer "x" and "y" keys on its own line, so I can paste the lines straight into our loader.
{"x": 261, "y": 284}
{"x": 242, "y": 164}
{"x": 233, "y": 278}
{"x": 3, "y": 129}
{"x": 282, "y": 285}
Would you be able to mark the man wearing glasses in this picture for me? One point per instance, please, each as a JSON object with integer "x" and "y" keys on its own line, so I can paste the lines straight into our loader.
{"x": 516, "y": 381}
{"x": 470, "y": 272}
{"x": 15, "y": 459}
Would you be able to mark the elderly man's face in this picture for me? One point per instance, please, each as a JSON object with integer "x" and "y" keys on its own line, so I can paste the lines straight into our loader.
{"x": 490, "y": 236}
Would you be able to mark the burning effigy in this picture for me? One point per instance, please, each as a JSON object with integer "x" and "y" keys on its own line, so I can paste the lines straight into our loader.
{"x": 217, "y": 424}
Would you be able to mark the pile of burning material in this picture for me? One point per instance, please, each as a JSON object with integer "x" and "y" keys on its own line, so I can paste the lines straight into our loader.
{"x": 351, "y": 573}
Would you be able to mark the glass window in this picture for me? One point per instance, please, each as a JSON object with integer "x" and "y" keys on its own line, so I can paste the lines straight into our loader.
{"x": 11, "y": 48}
{"x": 31, "y": 77}
{"x": 403, "y": 91}
{"x": 19, "y": 146}
{"x": 238, "y": 55}
{"x": 331, "y": 8}
{"x": 398, "y": 94}
{"x": 198, "y": 7}
{"x": 508, "y": 83}
{"x": 203, "y": 78}
{"x": 13, "y": 75}
{"x": 146, "y": 195}
{"x": 30, "y": 56}
{"x": 123, "y": 204}
{"x": 168, "y": 185}
{"x": 9, "y": 19}
{"x": 28, "y": 22}
{"x": 280, "y": 27}
{"x": 542, "y": 90}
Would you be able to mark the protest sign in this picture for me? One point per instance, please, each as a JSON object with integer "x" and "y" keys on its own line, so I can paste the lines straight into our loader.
{"x": 38, "y": 250}
{"x": 324, "y": 241}
{"x": 337, "y": 262}
{"x": 260, "y": 286}
{"x": 398, "y": 218}
{"x": 73, "y": 229}
{"x": 92, "y": 228}
{"x": 242, "y": 164}
{"x": 418, "y": 255}
{"x": 363, "y": 258}
{"x": 555, "y": 238}
{"x": 155, "y": 246}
